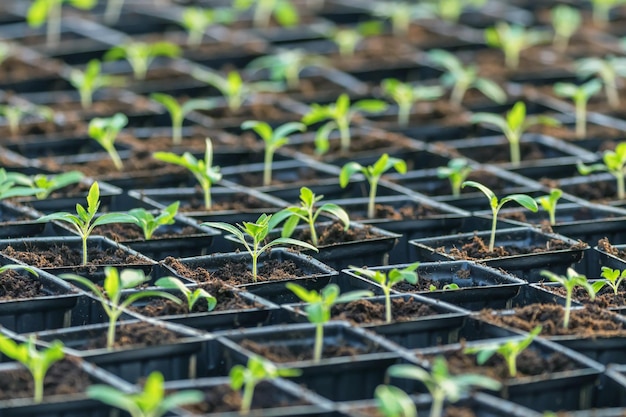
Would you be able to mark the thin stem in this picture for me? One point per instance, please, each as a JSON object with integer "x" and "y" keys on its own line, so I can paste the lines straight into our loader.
{"x": 568, "y": 306}
{"x": 512, "y": 364}
{"x": 581, "y": 119}
{"x": 371, "y": 205}
{"x": 248, "y": 395}
{"x": 313, "y": 231}
{"x": 84, "y": 238}
{"x": 177, "y": 130}
{"x": 195, "y": 37}
{"x": 552, "y": 214}
{"x": 437, "y": 406}
{"x": 38, "y": 377}
{"x": 611, "y": 94}
{"x": 404, "y": 113}
{"x": 53, "y": 33}
{"x": 511, "y": 59}
{"x": 515, "y": 151}
{"x": 140, "y": 68}
{"x": 458, "y": 92}
{"x": 344, "y": 134}
{"x": 494, "y": 222}
{"x": 111, "y": 333}
{"x": 621, "y": 192}
{"x": 387, "y": 304}
{"x": 263, "y": 13}
{"x": 255, "y": 256}
{"x": 115, "y": 157}
{"x": 112, "y": 11}
{"x": 319, "y": 341}
{"x": 85, "y": 98}
{"x": 267, "y": 166}
{"x": 206, "y": 188}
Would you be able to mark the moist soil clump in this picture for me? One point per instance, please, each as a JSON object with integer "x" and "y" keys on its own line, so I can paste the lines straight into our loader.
{"x": 133, "y": 334}
{"x": 335, "y": 234}
{"x": 62, "y": 255}
{"x": 124, "y": 232}
{"x": 367, "y": 312}
{"x": 605, "y": 246}
{"x": 477, "y": 249}
{"x": 14, "y": 285}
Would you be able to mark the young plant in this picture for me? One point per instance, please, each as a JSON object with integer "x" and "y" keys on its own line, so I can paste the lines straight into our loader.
{"x": 274, "y": 139}
{"x": 196, "y": 20}
{"x": 580, "y": 94}
{"x": 249, "y": 376}
{"x": 104, "y": 130}
{"x": 319, "y": 306}
{"x": 496, "y": 204}
{"x": 285, "y": 13}
{"x": 406, "y": 95}
{"x": 612, "y": 278}
{"x": 391, "y": 401}
{"x": 447, "y": 287}
{"x": 38, "y": 362}
{"x": 457, "y": 171}
{"x": 400, "y": 14}
{"x": 257, "y": 232}
{"x": 192, "y": 297}
{"x": 372, "y": 174}
{"x": 50, "y": 10}
{"x": 339, "y": 115}
{"x": 308, "y": 214}
{"x": 10, "y": 187}
{"x": 153, "y": 401}
{"x": 571, "y": 280}
{"x": 614, "y": 162}
{"x": 43, "y": 184}
{"x": 15, "y": 113}
{"x": 140, "y": 55}
{"x": 179, "y": 111}
{"x": 149, "y": 223}
{"x": 607, "y": 69}
{"x": 286, "y": 65}
{"x": 388, "y": 280}
{"x": 89, "y": 81}
{"x": 566, "y": 21}
{"x": 548, "y": 203}
{"x": 85, "y": 220}
{"x": 513, "y": 125}
{"x": 512, "y": 40}
{"x": 508, "y": 349}
{"x": 441, "y": 384}
{"x": 110, "y": 294}
{"x": 347, "y": 39}
{"x": 451, "y": 10}
{"x": 463, "y": 77}
{"x": 202, "y": 169}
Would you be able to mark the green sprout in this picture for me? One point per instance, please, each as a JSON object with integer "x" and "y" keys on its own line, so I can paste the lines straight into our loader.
{"x": 45, "y": 184}
{"x": 441, "y": 384}
{"x": 192, "y": 297}
{"x": 110, "y": 294}
{"x": 614, "y": 162}
{"x": 347, "y": 39}
{"x": 105, "y": 130}
{"x": 149, "y": 223}
{"x": 274, "y": 139}
{"x": 140, "y": 55}
{"x": 548, "y": 203}
{"x": 406, "y": 95}
{"x": 566, "y": 21}
{"x": 464, "y": 77}
{"x": 179, "y": 111}
{"x": 607, "y": 69}
{"x": 249, "y": 376}
{"x": 319, "y": 306}
{"x": 85, "y": 220}
{"x": 400, "y": 14}
{"x": 10, "y": 187}
{"x": 580, "y": 94}
{"x": 153, "y": 401}
{"x": 340, "y": 114}
{"x": 373, "y": 174}
{"x": 308, "y": 214}
{"x": 50, "y": 10}
{"x": 196, "y": 20}
{"x": 391, "y": 401}
{"x": 512, "y": 40}
{"x": 571, "y": 280}
{"x": 286, "y": 65}
{"x": 496, "y": 204}
{"x": 38, "y": 362}
{"x": 457, "y": 171}
{"x": 451, "y": 10}
{"x": 285, "y": 13}
{"x": 508, "y": 349}
{"x": 612, "y": 278}
{"x": 601, "y": 9}
{"x": 202, "y": 169}
{"x": 89, "y": 81}
{"x": 447, "y": 287}
{"x": 388, "y": 280}
{"x": 257, "y": 232}
{"x": 15, "y": 113}
{"x": 513, "y": 125}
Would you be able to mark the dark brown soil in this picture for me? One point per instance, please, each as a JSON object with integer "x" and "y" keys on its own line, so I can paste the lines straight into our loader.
{"x": 59, "y": 256}
{"x": 367, "y": 312}
{"x": 605, "y": 298}
{"x": 596, "y": 191}
{"x": 450, "y": 411}
{"x": 500, "y": 153}
{"x": 335, "y": 234}
{"x": 358, "y": 143}
{"x": 250, "y": 111}
{"x": 129, "y": 232}
{"x": 15, "y": 285}
{"x": 133, "y": 334}
{"x": 409, "y": 211}
{"x": 605, "y": 246}
{"x": 236, "y": 202}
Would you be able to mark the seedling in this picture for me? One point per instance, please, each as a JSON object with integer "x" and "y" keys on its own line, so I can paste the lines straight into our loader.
{"x": 614, "y": 162}
{"x": 15, "y": 113}
{"x": 463, "y": 77}
{"x": 179, "y": 111}
{"x": 451, "y": 10}
{"x": 89, "y": 81}
{"x": 140, "y": 55}
{"x": 38, "y": 362}
{"x": 192, "y": 297}
{"x": 512, "y": 40}
{"x": 196, "y": 20}
{"x": 111, "y": 298}
{"x": 608, "y": 69}
{"x": 85, "y": 220}
{"x": 548, "y": 203}
{"x": 612, "y": 278}
{"x": 149, "y": 223}
{"x": 104, "y": 130}
{"x": 151, "y": 402}
{"x": 447, "y": 287}
{"x": 391, "y": 401}
{"x": 50, "y": 10}
{"x": 496, "y": 204}
{"x": 340, "y": 115}
{"x": 508, "y": 349}
{"x": 347, "y": 39}
{"x": 400, "y": 14}
{"x": 287, "y": 65}
{"x": 283, "y": 11}
{"x": 388, "y": 280}
{"x": 274, "y": 139}
{"x": 441, "y": 384}
{"x": 202, "y": 169}
{"x": 9, "y": 187}
{"x": 249, "y": 376}
{"x": 580, "y": 94}
{"x": 43, "y": 184}
{"x": 601, "y": 10}
{"x": 308, "y": 214}
{"x": 566, "y": 21}
{"x": 513, "y": 125}
{"x": 319, "y": 305}
{"x": 457, "y": 171}
{"x": 372, "y": 174}
{"x": 257, "y": 232}
{"x": 406, "y": 95}
{"x": 571, "y": 280}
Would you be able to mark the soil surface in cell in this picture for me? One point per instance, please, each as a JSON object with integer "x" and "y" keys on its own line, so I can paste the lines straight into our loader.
{"x": 15, "y": 285}
{"x": 407, "y": 211}
{"x": 132, "y": 334}
{"x": 124, "y": 232}
{"x": 477, "y": 249}
{"x": 335, "y": 234}
{"x": 367, "y": 312}
{"x": 605, "y": 298}
{"x": 59, "y": 256}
